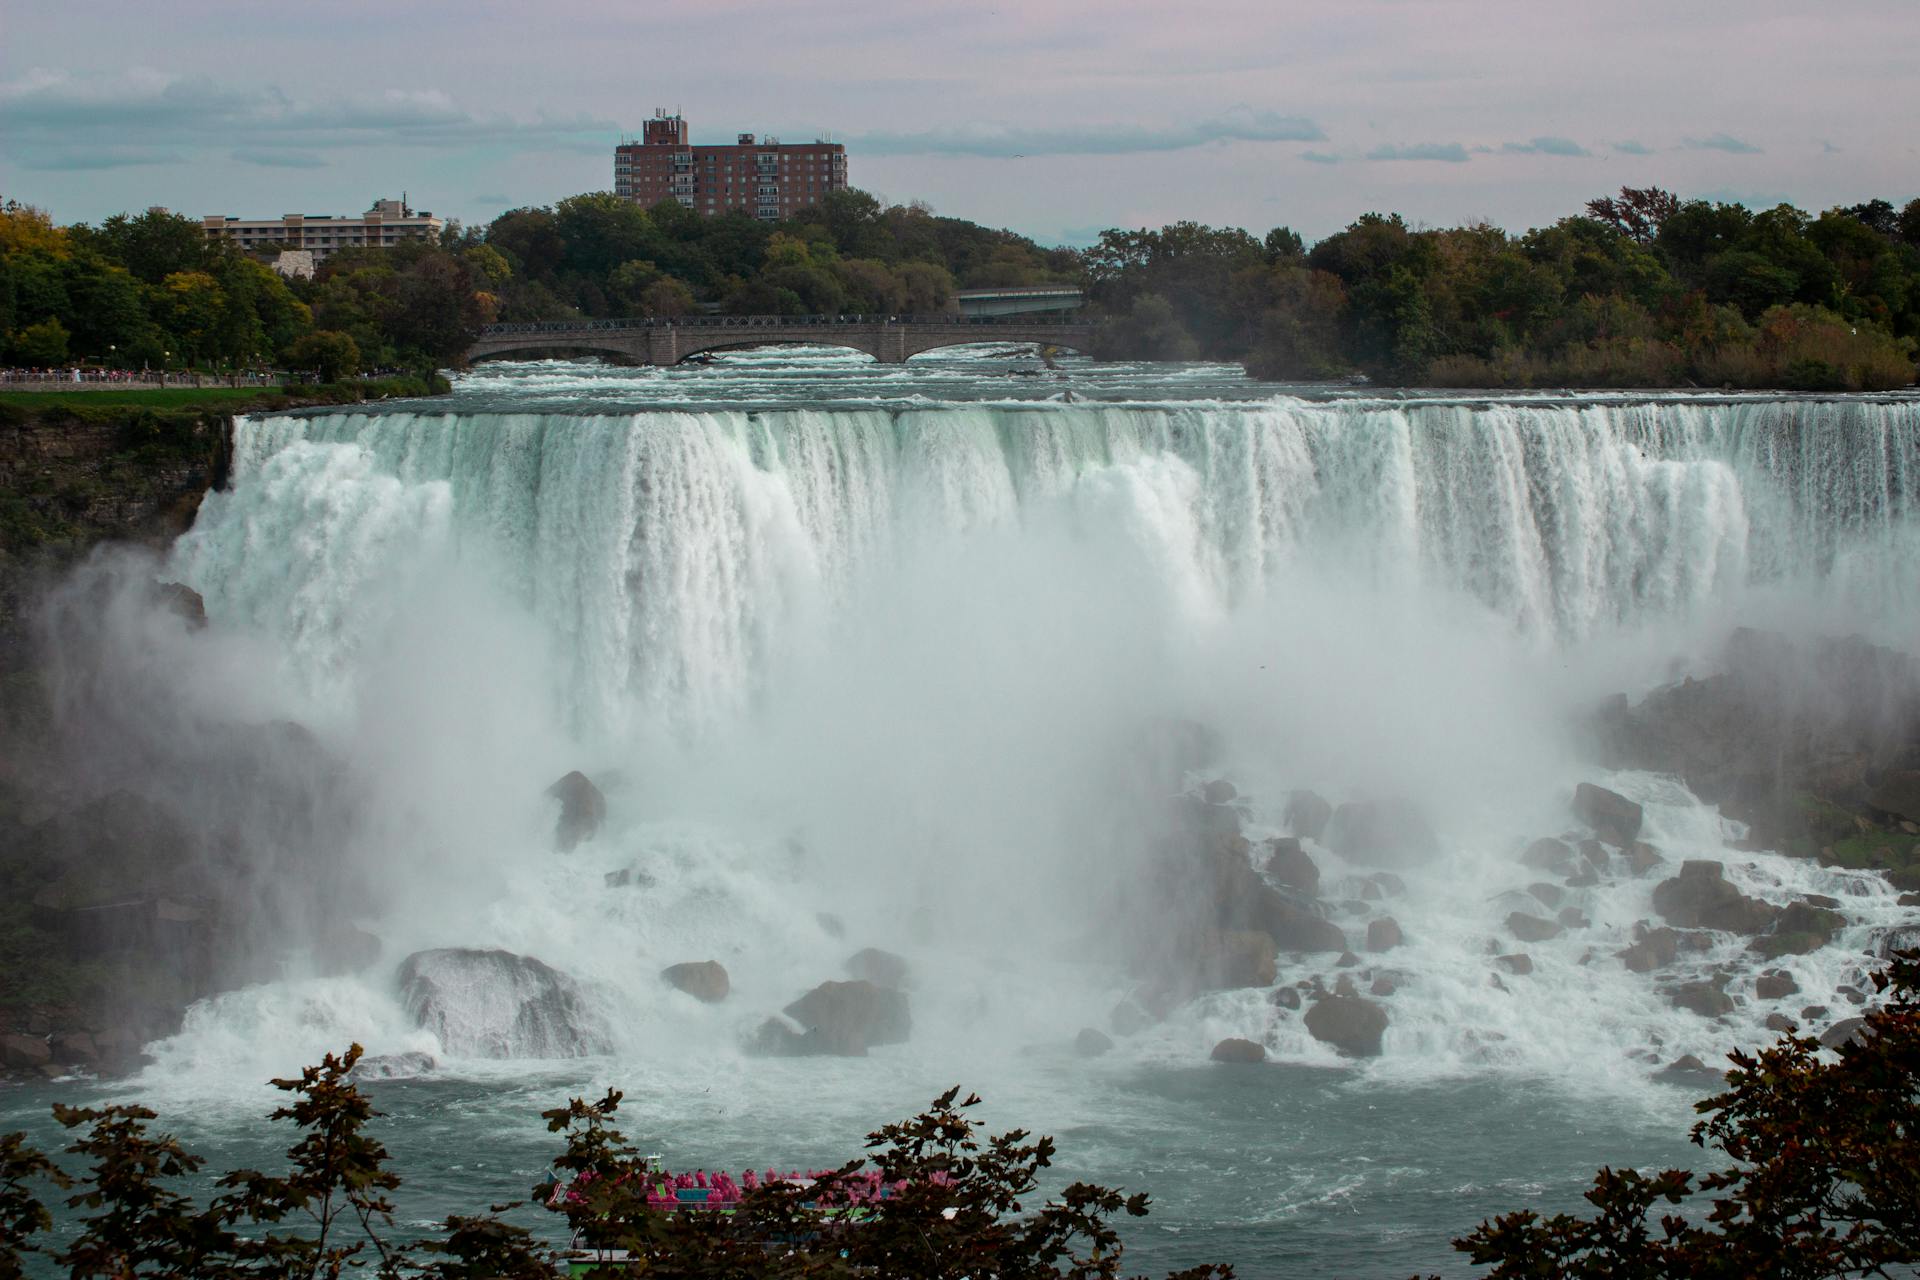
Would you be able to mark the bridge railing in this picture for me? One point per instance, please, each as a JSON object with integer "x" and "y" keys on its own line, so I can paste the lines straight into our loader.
{"x": 763, "y": 322}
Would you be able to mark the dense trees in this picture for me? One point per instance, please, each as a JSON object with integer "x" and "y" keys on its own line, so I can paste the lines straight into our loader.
{"x": 1643, "y": 289}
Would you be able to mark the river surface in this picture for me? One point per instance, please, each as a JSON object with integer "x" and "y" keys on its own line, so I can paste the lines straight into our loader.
{"x": 860, "y": 655}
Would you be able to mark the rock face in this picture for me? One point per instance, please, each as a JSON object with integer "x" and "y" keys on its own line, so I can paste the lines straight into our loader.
{"x": 1290, "y": 865}
{"x": 25, "y": 1051}
{"x": 1238, "y": 1052}
{"x": 1307, "y": 815}
{"x": 1897, "y": 794}
{"x": 495, "y": 1004}
{"x": 1656, "y": 949}
{"x": 846, "y": 1018}
{"x": 1351, "y": 1024}
{"x": 1235, "y": 958}
{"x": 881, "y": 968}
{"x": 1701, "y": 897}
{"x": 582, "y": 810}
{"x": 704, "y": 980}
{"x": 1389, "y": 833}
{"x": 1614, "y": 818}
{"x": 1799, "y": 928}
{"x": 182, "y": 601}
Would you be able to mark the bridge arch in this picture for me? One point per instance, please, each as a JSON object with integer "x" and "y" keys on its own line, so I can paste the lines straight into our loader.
{"x": 597, "y": 343}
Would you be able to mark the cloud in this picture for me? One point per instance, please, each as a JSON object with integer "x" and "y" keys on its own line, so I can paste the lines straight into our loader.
{"x": 279, "y": 159}
{"x": 56, "y": 111}
{"x": 1450, "y": 152}
{"x": 1547, "y": 147}
{"x": 1320, "y": 157}
{"x": 1010, "y": 142}
{"x": 1633, "y": 148}
{"x": 1723, "y": 142}
{"x": 82, "y": 158}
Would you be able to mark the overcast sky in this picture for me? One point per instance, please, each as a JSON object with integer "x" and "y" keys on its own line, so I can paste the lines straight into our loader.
{"x": 1055, "y": 117}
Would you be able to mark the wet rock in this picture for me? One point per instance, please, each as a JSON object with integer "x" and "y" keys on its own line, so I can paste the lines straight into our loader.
{"x": 183, "y": 602}
{"x": 1290, "y": 865}
{"x": 1384, "y": 985}
{"x": 1655, "y": 949}
{"x": 1347, "y": 960}
{"x": 881, "y": 968}
{"x": 74, "y": 1047}
{"x": 1307, "y": 815}
{"x": 1689, "y": 1070}
{"x": 1531, "y": 928}
{"x": 1614, "y": 818}
{"x": 1519, "y": 963}
{"x": 1219, "y": 791}
{"x": 1702, "y": 897}
{"x": 1391, "y": 885}
{"x": 1286, "y": 998}
{"x": 1549, "y": 896}
{"x": 1238, "y": 1052}
{"x": 1548, "y": 854}
{"x": 582, "y": 811}
{"x": 496, "y": 1004}
{"x": 25, "y": 1053}
{"x": 1584, "y": 878}
{"x": 1595, "y": 854}
{"x": 1297, "y": 929}
{"x": 1813, "y": 1013}
{"x": 1382, "y": 833}
{"x": 1798, "y": 929}
{"x": 1642, "y": 857}
{"x": 1572, "y": 918}
{"x": 1351, "y": 1024}
{"x": 395, "y": 1066}
{"x": 1842, "y": 1032}
{"x": 1383, "y": 934}
{"x": 1091, "y": 1043}
{"x": 704, "y": 980}
{"x": 628, "y": 878}
{"x": 1780, "y": 1023}
{"x": 846, "y": 1018}
{"x": 1775, "y": 984}
{"x": 1703, "y": 998}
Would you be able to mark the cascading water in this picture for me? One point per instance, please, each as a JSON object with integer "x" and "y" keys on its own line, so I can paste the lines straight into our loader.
{"x": 863, "y": 656}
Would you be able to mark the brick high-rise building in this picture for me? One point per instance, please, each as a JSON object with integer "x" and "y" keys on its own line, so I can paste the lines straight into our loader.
{"x": 766, "y": 178}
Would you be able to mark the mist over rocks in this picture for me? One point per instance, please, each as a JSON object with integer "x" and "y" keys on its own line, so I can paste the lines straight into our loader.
{"x": 498, "y": 1004}
{"x": 583, "y": 809}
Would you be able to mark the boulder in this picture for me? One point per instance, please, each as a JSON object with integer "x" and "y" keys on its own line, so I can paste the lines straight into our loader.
{"x": 1702, "y": 897}
{"x": 1382, "y": 833}
{"x": 1689, "y": 1070}
{"x": 1548, "y": 854}
{"x": 74, "y": 1047}
{"x": 1843, "y": 1031}
{"x": 1518, "y": 963}
{"x": 1290, "y": 865}
{"x": 1219, "y": 791}
{"x": 1642, "y": 857}
{"x": 1384, "y": 985}
{"x": 1286, "y": 998}
{"x": 496, "y": 1004}
{"x": 1549, "y": 896}
{"x": 1307, "y": 815}
{"x": 881, "y": 968}
{"x": 1091, "y": 1043}
{"x": 1813, "y": 1013}
{"x": 1573, "y": 918}
{"x": 1351, "y": 1024}
{"x": 1703, "y": 998}
{"x": 1780, "y": 1023}
{"x": 183, "y": 602}
{"x": 1347, "y": 960}
{"x": 1655, "y": 949}
{"x": 846, "y": 1018}
{"x": 1297, "y": 929}
{"x": 1614, "y": 818}
{"x": 1240, "y": 1052}
{"x": 582, "y": 810}
{"x": 704, "y": 980}
{"x": 1775, "y": 984}
{"x": 1798, "y": 929}
{"x": 25, "y": 1053}
{"x": 1529, "y": 928}
{"x": 1383, "y": 934}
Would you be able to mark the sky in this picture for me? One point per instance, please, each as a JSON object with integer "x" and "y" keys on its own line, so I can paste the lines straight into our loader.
{"x": 1057, "y": 118}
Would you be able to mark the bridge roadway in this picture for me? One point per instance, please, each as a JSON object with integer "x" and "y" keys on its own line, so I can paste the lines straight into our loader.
{"x": 661, "y": 341}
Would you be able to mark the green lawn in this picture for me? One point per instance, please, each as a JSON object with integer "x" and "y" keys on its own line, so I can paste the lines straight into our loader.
{"x": 139, "y": 397}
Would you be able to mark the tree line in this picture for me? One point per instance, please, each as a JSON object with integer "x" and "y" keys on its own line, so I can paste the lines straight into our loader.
{"x": 1642, "y": 289}
{"x": 1639, "y": 289}
{"x": 1817, "y": 1175}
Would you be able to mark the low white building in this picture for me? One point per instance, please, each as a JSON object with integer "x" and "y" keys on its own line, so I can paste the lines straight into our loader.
{"x": 387, "y": 223}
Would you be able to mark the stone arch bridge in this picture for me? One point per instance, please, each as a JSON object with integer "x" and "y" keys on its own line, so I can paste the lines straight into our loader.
{"x": 657, "y": 341}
